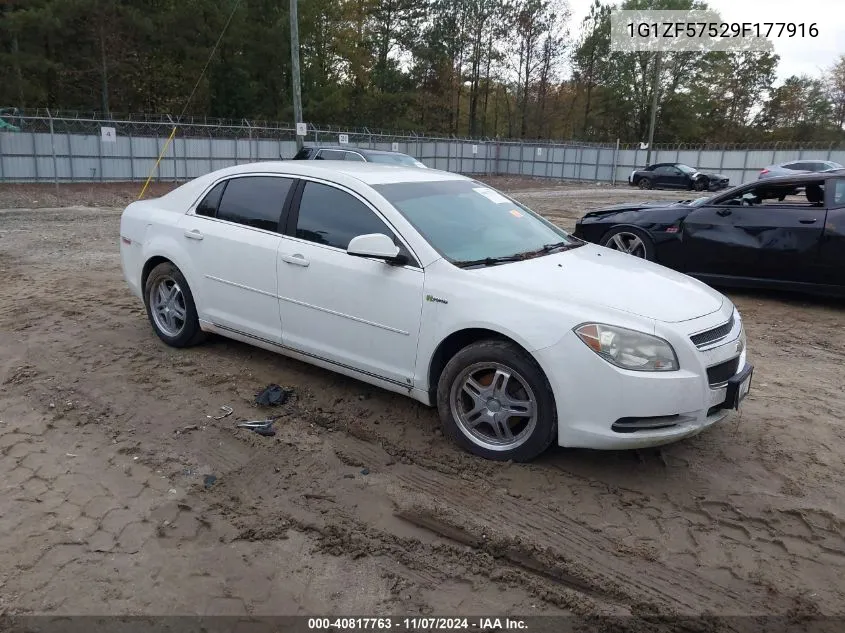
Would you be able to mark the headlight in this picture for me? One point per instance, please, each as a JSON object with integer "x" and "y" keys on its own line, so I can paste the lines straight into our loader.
{"x": 628, "y": 349}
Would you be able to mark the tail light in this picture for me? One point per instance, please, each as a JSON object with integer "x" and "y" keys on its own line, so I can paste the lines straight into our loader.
{"x": 764, "y": 171}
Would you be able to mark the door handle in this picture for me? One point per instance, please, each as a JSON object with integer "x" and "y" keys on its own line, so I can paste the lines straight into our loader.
{"x": 808, "y": 221}
{"x": 193, "y": 234}
{"x": 724, "y": 212}
{"x": 296, "y": 260}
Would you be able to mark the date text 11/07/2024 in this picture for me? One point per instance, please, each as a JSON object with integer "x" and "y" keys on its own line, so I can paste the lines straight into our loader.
{"x": 416, "y": 624}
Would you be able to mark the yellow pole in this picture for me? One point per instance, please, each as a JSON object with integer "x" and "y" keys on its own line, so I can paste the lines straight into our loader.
{"x": 160, "y": 156}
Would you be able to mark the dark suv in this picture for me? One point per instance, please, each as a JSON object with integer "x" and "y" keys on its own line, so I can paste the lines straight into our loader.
{"x": 357, "y": 154}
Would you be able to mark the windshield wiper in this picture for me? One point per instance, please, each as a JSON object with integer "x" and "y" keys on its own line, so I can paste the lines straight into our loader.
{"x": 490, "y": 261}
{"x": 556, "y": 246}
{"x": 518, "y": 257}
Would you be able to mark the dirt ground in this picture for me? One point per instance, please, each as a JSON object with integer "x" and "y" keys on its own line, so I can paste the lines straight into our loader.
{"x": 121, "y": 495}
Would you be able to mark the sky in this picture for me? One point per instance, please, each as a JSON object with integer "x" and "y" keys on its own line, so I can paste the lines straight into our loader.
{"x": 806, "y": 55}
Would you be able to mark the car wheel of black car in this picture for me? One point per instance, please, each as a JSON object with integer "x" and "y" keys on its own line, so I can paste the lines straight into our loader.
{"x": 644, "y": 183}
{"x": 700, "y": 184}
{"x": 630, "y": 240}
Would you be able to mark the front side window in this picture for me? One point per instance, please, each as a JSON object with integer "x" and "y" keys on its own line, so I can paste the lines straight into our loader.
{"x": 254, "y": 201}
{"x": 331, "y": 154}
{"x": 839, "y": 193}
{"x": 395, "y": 159}
{"x": 781, "y": 194}
{"x": 209, "y": 204}
{"x": 354, "y": 157}
{"x": 665, "y": 170}
{"x": 333, "y": 217}
{"x": 466, "y": 221}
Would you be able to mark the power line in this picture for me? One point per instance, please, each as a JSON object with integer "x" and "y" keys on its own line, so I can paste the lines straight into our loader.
{"x": 188, "y": 102}
{"x": 208, "y": 61}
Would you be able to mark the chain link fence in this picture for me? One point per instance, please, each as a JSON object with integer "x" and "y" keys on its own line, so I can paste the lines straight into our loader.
{"x": 70, "y": 146}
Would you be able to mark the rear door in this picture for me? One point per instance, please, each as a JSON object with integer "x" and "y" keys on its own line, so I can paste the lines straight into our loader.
{"x": 233, "y": 237}
{"x": 755, "y": 234}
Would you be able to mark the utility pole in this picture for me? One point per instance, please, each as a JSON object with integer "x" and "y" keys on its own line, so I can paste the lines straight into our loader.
{"x": 294, "y": 56}
{"x": 658, "y": 57}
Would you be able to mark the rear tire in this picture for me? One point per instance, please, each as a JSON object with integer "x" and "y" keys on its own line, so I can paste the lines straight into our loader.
{"x": 170, "y": 307}
{"x": 644, "y": 183}
{"x": 495, "y": 401}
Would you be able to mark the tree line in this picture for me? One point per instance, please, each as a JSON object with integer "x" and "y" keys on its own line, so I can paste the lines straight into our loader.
{"x": 507, "y": 68}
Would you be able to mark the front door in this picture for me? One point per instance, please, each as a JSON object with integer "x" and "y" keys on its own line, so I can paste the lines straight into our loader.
{"x": 668, "y": 176}
{"x": 233, "y": 239}
{"x": 357, "y": 312}
{"x": 757, "y": 234}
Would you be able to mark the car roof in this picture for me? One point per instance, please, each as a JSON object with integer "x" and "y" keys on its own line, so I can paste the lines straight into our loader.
{"x": 338, "y": 171}
{"x": 799, "y": 178}
{"x": 361, "y": 150}
{"x": 367, "y": 173}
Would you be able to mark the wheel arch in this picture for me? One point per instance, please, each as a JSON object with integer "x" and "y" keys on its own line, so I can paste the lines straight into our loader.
{"x": 459, "y": 339}
{"x": 151, "y": 263}
{"x": 624, "y": 225}
{"x": 157, "y": 256}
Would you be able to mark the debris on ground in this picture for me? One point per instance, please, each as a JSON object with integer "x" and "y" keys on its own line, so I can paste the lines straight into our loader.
{"x": 208, "y": 481}
{"x": 365, "y": 471}
{"x": 272, "y": 395}
{"x": 226, "y": 411}
{"x": 262, "y": 427}
{"x": 187, "y": 429}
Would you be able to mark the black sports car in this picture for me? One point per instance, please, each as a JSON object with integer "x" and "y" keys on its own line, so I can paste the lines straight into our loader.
{"x": 786, "y": 232}
{"x": 676, "y": 176}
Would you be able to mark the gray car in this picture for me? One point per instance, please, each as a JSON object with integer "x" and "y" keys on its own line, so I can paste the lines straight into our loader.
{"x": 797, "y": 167}
{"x": 358, "y": 154}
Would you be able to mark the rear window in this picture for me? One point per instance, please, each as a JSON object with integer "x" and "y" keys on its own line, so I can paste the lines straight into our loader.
{"x": 209, "y": 204}
{"x": 255, "y": 201}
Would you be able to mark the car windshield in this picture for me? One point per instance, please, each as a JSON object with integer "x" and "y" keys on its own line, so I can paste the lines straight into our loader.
{"x": 394, "y": 159}
{"x": 685, "y": 168}
{"x": 466, "y": 221}
{"x": 832, "y": 165}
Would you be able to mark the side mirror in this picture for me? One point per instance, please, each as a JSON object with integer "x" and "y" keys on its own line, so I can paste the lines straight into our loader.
{"x": 376, "y": 245}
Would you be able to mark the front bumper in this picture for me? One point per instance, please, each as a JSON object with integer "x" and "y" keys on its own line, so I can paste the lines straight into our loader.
{"x": 601, "y": 406}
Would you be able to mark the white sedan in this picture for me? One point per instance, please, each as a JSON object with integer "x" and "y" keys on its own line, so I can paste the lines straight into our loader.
{"x": 436, "y": 286}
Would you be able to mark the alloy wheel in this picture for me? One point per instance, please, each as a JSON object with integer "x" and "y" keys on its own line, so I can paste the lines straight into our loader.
{"x": 494, "y": 406}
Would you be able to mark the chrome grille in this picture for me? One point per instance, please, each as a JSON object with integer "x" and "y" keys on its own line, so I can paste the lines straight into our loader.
{"x": 711, "y": 336}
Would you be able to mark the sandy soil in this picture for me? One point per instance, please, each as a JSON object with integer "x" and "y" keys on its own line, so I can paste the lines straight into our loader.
{"x": 121, "y": 495}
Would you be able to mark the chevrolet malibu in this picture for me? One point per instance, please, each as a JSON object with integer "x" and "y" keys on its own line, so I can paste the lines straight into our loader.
{"x": 436, "y": 286}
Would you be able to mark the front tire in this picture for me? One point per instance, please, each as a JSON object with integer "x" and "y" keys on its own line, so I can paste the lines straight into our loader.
{"x": 170, "y": 307}
{"x": 701, "y": 184}
{"x": 495, "y": 401}
{"x": 630, "y": 240}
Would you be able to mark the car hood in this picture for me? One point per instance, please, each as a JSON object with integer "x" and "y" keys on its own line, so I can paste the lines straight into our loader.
{"x": 711, "y": 175}
{"x": 635, "y": 206}
{"x": 600, "y": 276}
